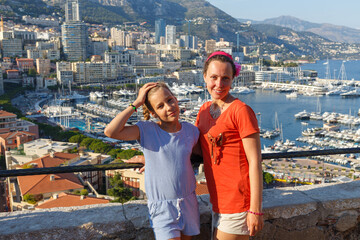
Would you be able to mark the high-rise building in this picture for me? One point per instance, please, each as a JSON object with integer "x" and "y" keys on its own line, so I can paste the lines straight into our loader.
{"x": 74, "y": 33}
{"x": 170, "y": 34}
{"x": 1, "y": 83}
{"x": 72, "y": 12}
{"x": 119, "y": 36}
{"x": 159, "y": 29}
{"x": 75, "y": 40}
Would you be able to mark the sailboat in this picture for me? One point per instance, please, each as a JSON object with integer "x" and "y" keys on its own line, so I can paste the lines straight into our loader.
{"x": 273, "y": 133}
{"x": 317, "y": 114}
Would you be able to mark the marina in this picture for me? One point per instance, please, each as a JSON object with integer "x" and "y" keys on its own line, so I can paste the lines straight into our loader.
{"x": 289, "y": 119}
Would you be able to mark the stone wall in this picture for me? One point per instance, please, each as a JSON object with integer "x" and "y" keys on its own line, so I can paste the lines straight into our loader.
{"x": 328, "y": 211}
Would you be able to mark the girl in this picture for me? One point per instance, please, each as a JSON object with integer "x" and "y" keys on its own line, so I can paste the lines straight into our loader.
{"x": 230, "y": 143}
{"x": 167, "y": 146}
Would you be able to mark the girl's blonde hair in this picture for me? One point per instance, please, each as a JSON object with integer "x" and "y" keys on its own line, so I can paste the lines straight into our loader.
{"x": 147, "y": 108}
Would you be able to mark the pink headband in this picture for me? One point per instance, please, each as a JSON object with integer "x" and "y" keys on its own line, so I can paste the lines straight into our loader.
{"x": 237, "y": 65}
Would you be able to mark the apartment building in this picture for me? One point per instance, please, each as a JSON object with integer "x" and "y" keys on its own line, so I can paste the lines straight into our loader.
{"x": 24, "y": 64}
{"x": 9, "y": 123}
{"x": 43, "y": 66}
{"x": 93, "y": 72}
{"x": 12, "y": 47}
{"x": 12, "y": 140}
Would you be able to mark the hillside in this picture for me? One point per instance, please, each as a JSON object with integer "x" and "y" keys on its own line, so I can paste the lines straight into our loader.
{"x": 329, "y": 31}
{"x": 13, "y": 9}
{"x": 206, "y": 21}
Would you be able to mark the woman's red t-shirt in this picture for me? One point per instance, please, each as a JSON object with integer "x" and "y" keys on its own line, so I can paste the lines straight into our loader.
{"x": 225, "y": 163}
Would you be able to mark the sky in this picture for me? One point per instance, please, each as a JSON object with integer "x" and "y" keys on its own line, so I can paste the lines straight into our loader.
{"x": 337, "y": 12}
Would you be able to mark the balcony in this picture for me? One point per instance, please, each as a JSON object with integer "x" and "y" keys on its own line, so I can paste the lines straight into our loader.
{"x": 322, "y": 211}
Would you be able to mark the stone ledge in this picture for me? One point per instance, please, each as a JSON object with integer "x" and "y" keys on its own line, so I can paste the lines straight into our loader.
{"x": 305, "y": 212}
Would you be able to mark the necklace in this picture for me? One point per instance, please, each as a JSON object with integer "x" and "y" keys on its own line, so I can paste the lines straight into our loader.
{"x": 216, "y": 112}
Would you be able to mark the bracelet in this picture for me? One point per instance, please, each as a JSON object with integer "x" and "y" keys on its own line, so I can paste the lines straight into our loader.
{"x": 133, "y": 106}
{"x": 255, "y": 213}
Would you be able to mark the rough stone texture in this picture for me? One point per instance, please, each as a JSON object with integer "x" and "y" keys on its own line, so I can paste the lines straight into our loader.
{"x": 330, "y": 211}
{"x": 346, "y": 222}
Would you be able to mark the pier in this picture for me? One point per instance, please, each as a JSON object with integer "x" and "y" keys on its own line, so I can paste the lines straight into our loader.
{"x": 295, "y": 87}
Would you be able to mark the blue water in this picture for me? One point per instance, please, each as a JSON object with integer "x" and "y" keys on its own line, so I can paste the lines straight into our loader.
{"x": 352, "y": 68}
{"x": 269, "y": 102}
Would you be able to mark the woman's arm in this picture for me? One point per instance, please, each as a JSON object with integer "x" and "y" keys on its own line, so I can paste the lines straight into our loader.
{"x": 117, "y": 129}
{"x": 252, "y": 149}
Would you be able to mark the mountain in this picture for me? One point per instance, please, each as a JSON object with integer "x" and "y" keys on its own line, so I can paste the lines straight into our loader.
{"x": 329, "y": 31}
{"x": 206, "y": 22}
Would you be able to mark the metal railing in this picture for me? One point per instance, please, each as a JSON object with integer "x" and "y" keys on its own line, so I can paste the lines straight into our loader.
{"x": 102, "y": 167}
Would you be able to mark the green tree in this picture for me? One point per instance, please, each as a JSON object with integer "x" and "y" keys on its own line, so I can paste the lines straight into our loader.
{"x": 268, "y": 178}
{"x": 118, "y": 190}
{"x": 77, "y": 138}
{"x": 86, "y": 142}
{"x": 29, "y": 198}
{"x": 32, "y": 72}
{"x": 26, "y": 166}
{"x": 84, "y": 192}
{"x": 128, "y": 153}
{"x": 114, "y": 152}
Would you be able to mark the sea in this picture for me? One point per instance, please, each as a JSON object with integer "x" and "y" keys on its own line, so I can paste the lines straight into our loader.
{"x": 266, "y": 104}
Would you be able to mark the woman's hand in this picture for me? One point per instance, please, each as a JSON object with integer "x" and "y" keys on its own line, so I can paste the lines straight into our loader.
{"x": 255, "y": 223}
{"x": 142, "y": 93}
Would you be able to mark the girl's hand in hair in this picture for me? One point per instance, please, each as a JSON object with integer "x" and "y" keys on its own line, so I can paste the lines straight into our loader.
{"x": 142, "y": 93}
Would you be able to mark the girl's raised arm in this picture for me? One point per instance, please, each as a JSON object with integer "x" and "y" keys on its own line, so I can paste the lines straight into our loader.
{"x": 117, "y": 129}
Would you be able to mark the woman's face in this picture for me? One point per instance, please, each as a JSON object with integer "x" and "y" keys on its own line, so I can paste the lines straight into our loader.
{"x": 218, "y": 79}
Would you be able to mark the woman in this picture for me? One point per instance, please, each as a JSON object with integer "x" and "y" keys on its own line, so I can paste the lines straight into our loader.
{"x": 230, "y": 143}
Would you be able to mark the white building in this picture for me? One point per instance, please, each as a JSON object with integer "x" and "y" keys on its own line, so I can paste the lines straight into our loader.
{"x": 117, "y": 57}
{"x": 149, "y": 60}
{"x": 170, "y": 34}
{"x": 94, "y": 72}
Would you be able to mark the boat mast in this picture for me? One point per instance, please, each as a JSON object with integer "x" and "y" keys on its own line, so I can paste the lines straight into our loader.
{"x": 342, "y": 72}
{"x": 327, "y": 76}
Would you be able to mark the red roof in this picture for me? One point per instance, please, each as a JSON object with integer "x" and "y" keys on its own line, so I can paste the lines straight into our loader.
{"x": 71, "y": 200}
{"x": 14, "y": 134}
{"x": 6, "y": 114}
{"x": 201, "y": 189}
{"x": 24, "y": 59}
{"x": 39, "y": 184}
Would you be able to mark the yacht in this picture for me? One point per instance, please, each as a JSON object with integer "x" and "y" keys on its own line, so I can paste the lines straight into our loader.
{"x": 303, "y": 115}
{"x": 292, "y": 95}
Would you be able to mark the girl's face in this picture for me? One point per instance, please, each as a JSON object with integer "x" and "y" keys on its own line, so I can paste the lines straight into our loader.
{"x": 218, "y": 79}
{"x": 165, "y": 105}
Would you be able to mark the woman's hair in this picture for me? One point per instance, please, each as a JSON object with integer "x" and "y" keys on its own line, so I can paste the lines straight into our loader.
{"x": 147, "y": 108}
{"x": 221, "y": 58}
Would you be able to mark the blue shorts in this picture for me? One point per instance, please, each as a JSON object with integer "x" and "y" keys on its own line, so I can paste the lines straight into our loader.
{"x": 170, "y": 218}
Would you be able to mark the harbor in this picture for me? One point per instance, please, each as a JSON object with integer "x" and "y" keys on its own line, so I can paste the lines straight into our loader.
{"x": 292, "y": 117}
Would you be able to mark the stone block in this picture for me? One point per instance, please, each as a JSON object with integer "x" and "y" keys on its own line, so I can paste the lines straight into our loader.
{"x": 346, "y": 222}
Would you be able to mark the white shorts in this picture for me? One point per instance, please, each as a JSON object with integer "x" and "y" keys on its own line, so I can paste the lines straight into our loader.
{"x": 234, "y": 223}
